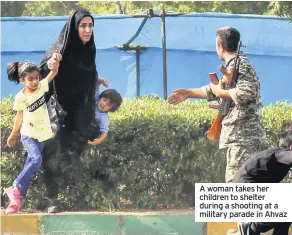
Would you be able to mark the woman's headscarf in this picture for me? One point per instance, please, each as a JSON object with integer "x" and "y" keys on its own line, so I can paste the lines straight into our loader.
{"x": 75, "y": 82}
{"x": 69, "y": 36}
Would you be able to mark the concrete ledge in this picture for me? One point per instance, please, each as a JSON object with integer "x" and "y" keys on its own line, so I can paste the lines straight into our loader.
{"x": 117, "y": 223}
{"x": 21, "y": 223}
{"x": 222, "y": 228}
{"x": 121, "y": 224}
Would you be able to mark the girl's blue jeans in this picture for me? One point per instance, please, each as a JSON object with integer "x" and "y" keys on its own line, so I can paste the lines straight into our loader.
{"x": 33, "y": 162}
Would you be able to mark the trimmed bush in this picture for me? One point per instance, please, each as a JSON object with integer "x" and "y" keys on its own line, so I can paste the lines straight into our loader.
{"x": 154, "y": 155}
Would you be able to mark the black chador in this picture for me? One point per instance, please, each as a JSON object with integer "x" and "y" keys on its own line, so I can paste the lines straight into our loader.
{"x": 75, "y": 87}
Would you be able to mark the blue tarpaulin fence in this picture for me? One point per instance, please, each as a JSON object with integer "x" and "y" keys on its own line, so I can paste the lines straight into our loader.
{"x": 190, "y": 42}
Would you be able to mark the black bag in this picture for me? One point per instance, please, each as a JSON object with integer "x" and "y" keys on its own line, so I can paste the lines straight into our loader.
{"x": 56, "y": 112}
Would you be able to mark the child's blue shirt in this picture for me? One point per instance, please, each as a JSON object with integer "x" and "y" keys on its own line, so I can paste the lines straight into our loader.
{"x": 101, "y": 117}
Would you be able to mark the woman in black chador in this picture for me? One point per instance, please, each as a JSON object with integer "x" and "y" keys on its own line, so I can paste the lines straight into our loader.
{"x": 269, "y": 166}
{"x": 75, "y": 87}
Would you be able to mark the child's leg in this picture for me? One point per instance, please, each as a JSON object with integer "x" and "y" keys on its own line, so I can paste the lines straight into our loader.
{"x": 27, "y": 161}
{"x": 33, "y": 162}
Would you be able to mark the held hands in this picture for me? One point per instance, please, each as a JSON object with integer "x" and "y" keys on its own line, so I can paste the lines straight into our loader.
{"x": 178, "y": 96}
{"x": 11, "y": 141}
{"x": 54, "y": 62}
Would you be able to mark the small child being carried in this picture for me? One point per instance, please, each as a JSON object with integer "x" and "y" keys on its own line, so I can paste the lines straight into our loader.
{"x": 107, "y": 101}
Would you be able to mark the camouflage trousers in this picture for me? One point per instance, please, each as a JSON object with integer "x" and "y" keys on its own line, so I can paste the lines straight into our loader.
{"x": 236, "y": 155}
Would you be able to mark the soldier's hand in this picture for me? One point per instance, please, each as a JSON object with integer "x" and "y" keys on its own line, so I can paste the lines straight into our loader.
{"x": 227, "y": 75}
{"x": 216, "y": 89}
{"x": 178, "y": 96}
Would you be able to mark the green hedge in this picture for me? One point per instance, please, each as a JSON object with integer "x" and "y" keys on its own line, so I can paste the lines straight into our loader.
{"x": 154, "y": 155}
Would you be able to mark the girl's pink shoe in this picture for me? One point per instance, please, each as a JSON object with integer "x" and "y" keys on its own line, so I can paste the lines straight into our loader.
{"x": 14, "y": 195}
{"x": 11, "y": 209}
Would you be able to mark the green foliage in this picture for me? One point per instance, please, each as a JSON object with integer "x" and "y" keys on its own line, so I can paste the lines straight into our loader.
{"x": 51, "y": 8}
{"x": 283, "y": 9}
{"x": 43, "y": 8}
{"x": 154, "y": 155}
{"x": 272, "y": 122}
{"x": 12, "y": 8}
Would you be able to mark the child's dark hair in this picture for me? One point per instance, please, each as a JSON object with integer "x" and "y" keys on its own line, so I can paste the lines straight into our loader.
{"x": 114, "y": 97}
{"x": 287, "y": 127}
{"x": 285, "y": 138}
{"x": 17, "y": 70}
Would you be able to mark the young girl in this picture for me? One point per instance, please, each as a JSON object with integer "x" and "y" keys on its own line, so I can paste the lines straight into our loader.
{"x": 32, "y": 119}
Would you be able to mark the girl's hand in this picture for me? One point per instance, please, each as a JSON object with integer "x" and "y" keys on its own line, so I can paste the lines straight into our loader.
{"x": 11, "y": 141}
{"x": 54, "y": 62}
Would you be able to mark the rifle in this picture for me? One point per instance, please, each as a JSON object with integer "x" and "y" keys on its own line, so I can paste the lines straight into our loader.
{"x": 215, "y": 130}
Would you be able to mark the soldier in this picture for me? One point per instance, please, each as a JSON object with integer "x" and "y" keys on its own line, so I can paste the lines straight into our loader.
{"x": 242, "y": 131}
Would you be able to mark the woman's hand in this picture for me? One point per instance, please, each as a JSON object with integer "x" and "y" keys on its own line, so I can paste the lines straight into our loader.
{"x": 54, "y": 62}
{"x": 103, "y": 82}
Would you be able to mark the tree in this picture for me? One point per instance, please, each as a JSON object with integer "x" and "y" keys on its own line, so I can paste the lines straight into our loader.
{"x": 283, "y": 9}
{"x": 10, "y": 8}
{"x": 117, "y": 7}
{"x": 241, "y": 7}
{"x": 50, "y": 8}
{"x": 131, "y": 7}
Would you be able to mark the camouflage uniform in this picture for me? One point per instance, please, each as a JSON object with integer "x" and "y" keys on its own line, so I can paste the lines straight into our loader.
{"x": 242, "y": 128}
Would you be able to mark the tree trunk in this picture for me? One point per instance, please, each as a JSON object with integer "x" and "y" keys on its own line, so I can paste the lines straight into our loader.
{"x": 119, "y": 7}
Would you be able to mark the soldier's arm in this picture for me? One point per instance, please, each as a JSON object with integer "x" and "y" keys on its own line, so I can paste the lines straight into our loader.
{"x": 205, "y": 92}
{"x": 219, "y": 91}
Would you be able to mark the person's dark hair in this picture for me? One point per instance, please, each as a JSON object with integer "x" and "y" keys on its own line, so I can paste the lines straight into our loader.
{"x": 285, "y": 138}
{"x": 114, "y": 97}
{"x": 228, "y": 37}
{"x": 287, "y": 126}
{"x": 17, "y": 70}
